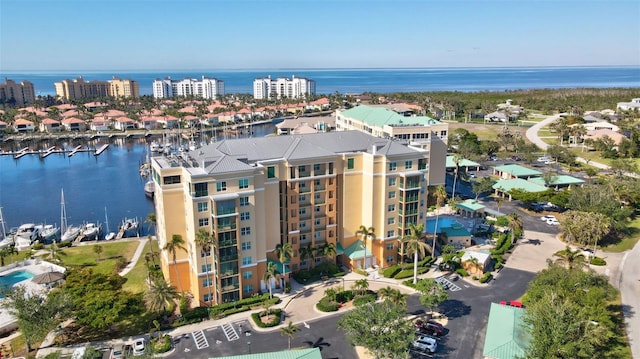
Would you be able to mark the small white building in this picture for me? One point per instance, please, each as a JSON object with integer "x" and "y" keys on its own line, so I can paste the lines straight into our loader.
{"x": 626, "y": 106}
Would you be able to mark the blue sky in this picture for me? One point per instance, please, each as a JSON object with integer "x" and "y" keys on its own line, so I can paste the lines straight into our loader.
{"x": 268, "y": 34}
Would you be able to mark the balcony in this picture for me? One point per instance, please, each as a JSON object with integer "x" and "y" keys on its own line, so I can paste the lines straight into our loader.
{"x": 229, "y": 273}
{"x": 229, "y": 258}
{"x": 320, "y": 201}
{"x": 409, "y": 186}
{"x": 407, "y": 212}
{"x": 227, "y": 227}
{"x": 230, "y": 287}
{"x": 305, "y": 230}
{"x": 318, "y": 188}
{"x": 408, "y": 199}
{"x": 228, "y": 243}
{"x": 304, "y": 216}
{"x": 304, "y": 174}
{"x": 225, "y": 211}
{"x": 304, "y": 190}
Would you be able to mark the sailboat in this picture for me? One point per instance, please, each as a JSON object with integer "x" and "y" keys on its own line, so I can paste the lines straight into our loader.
{"x": 69, "y": 233}
{"x": 110, "y": 235}
{"x": 7, "y": 238}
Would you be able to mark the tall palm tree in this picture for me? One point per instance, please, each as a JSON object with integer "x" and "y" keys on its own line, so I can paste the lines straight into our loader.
{"x": 160, "y": 295}
{"x": 290, "y": 331}
{"x": 309, "y": 253}
{"x": 571, "y": 258}
{"x": 206, "y": 242}
{"x": 456, "y": 159}
{"x": 393, "y": 295}
{"x": 269, "y": 275}
{"x": 6, "y": 252}
{"x": 365, "y": 232}
{"x": 361, "y": 285}
{"x": 152, "y": 222}
{"x": 328, "y": 250}
{"x": 284, "y": 252}
{"x": 176, "y": 243}
{"x": 401, "y": 249}
{"x": 416, "y": 246}
{"x": 499, "y": 201}
{"x": 514, "y": 222}
{"x": 441, "y": 195}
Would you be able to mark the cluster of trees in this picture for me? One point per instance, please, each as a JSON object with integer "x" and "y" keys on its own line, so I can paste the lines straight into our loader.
{"x": 570, "y": 315}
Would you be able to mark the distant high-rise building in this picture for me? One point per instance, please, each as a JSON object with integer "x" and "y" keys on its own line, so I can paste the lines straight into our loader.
{"x": 79, "y": 88}
{"x": 18, "y": 94}
{"x": 208, "y": 88}
{"x": 282, "y": 87}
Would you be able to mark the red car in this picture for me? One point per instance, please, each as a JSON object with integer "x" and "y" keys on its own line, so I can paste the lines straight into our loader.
{"x": 429, "y": 328}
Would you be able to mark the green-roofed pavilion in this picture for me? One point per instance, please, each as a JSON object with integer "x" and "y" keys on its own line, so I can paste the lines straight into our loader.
{"x": 506, "y": 336}
{"x": 312, "y": 353}
{"x": 451, "y": 163}
{"x": 378, "y": 116}
{"x": 471, "y": 208}
{"x": 515, "y": 171}
{"x": 503, "y": 186}
{"x": 559, "y": 181}
{"x": 356, "y": 254}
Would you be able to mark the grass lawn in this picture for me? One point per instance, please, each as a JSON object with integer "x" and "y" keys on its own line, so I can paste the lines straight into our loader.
{"x": 136, "y": 278}
{"x": 629, "y": 240}
{"x": 85, "y": 256}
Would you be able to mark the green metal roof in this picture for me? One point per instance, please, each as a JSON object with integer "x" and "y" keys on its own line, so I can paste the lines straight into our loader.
{"x": 356, "y": 250}
{"x": 278, "y": 264}
{"x": 463, "y": 163}
{"x": 313, "y": 353}
{"x": 559, "y": 180}
{"x": 470, "y": 205}
{"x": 506, "y": 336}
{"x": 518, "y": 171}
{"x": 339, "y": 249}
{"x": 378, "y": 116}
{"x": 506, "y": 185}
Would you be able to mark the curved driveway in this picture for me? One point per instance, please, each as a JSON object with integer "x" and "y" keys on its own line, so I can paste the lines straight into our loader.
{"x": 630, "y": 291}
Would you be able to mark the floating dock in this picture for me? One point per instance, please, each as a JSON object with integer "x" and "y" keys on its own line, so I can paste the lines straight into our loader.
{"x": 101, "y": 149}
{"x": 75, "y": 150}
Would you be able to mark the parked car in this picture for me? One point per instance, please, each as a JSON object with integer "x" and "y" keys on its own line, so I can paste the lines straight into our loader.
{"x": 138, "y": 347}
{"x": 117, "y": 352}
{"x": 425, "y": 344}
{"x": 516, "y": 158}
{"x": 544, "y": 159}
{"x": 548, "y": 218}
{"x": 553, "y": 222}
{"x": 430, "y": 328}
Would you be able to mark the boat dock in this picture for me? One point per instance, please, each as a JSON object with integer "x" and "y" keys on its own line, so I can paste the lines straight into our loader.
{"x": 75, "y": 150}
{"x": 47, "y": 152}
{"x": 101, "y": 149}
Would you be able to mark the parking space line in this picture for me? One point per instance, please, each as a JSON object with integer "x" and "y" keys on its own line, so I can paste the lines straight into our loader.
{"x": 200, "y": 339}
{"x": 230, "y": 332}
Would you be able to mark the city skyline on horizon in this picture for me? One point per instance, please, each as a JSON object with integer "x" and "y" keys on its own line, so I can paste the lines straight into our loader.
{"x": 290, "y": 35}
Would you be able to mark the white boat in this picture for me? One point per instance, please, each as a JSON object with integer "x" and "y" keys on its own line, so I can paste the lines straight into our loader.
{"x": 22, "y": 243}
{"x": 110, "y": 236}
{"x": 7, "y": 241}
{"x": 70, "y": 234}
{"x": 49, "y": 233}
{"x": 28, "y": 231}
{"x": 129, "y": 227}
{"x": 149, "y": 188}
{"x": 155, "y": 147}
{"x": 90, "y": 232}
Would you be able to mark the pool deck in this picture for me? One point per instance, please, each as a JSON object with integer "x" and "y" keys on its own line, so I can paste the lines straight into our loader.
{"x": 35, "y": 267}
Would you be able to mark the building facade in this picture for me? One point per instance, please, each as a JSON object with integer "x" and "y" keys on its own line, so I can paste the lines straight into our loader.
{"x": 387, "y": 123}
{"x": 17, "y": 94}
{"x": 308, "y": 190}
{"x": 282, "y": 87}
{"x": 81, "y": 89}
{"x": 209, "y": 88}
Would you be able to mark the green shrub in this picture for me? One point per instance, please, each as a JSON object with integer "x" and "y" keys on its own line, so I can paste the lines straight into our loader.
{"x": 407, "y": 273}
{"x": 275, "y": 320}
{"x": 474, "y": 278}
{"x": 345, "y": 296}
{"x": 64, "y": 244}
{"x": 597, "y": 261}
{"x": 409, "y": 283}
{"x": 184, "y": 305}
{"x": 391, "y": 272}
{"x": 502, "y": 221}
{"x": 485, "y": 278}
{"x": 327, "y": 305}
{"x": 287, "y": 288}
{"x": 363, "y": 299}
{"x": 37, "y": 246}
{"x": 463, "y": 272}
{"x": 339, "y": 274}
{"x": 162, "y": 344}
{"x": 361, "y": 272}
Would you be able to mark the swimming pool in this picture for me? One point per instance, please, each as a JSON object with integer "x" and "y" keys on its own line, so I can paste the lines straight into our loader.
{"x": 7, "y": 281}
{"x": 443, "y": 222}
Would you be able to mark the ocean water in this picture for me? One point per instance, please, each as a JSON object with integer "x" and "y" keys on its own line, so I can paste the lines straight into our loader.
{"x": 373, "y": 80}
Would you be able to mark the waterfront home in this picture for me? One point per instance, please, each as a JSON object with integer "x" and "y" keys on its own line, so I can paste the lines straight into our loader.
{"x": 191, "y": 121}
{"x": 168, "y": 121}
{"x": 65, "y": 107}
{"x": 71, "y": 113}
{"x": 50, "y": 125}
{"x": 297, "y": 125}
{"x": 92, "y": 106}
{"x": 124, "y": 123}
{"x": 115, "y": 113}
{"x": 74, "y": 124}
{"x": 188, "y": 109}
{"x": 100, "y": 124}
{"x": 22, "y": 125}
{"x": 149, "y": 123}
{"x": 320, "y": 104}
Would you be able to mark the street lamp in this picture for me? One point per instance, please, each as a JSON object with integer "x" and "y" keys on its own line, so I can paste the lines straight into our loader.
{"x": 249, "y": 345}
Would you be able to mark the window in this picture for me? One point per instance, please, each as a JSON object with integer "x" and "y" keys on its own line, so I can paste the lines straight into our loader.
{"x": 318, "y": 209}
{"x": 203, "y": 222}
{"x": 350, "y": 163}
{"x": 391, "y": 220}
{"x": 302, "y": 211}
{"x": 207, "y": 298}
{"x": 171, "y": 179}
{"x": 392, "y": 166}
{"x": 392, "y": 181}
{"x": 200, "y": 189}
{"x": 246, "y": 261}
{"x": 391, "y": 208}
{"x": 207, "y": 282}
{"x": 244, "y": 216}
{"x": 408, "y": 164}
{"x": 246, "y": 246}
{"x": 244, "y": 201}
{"x": 316, "y": 167}
{"x": 302, "y": 168}
{"x": 205, "y": 253}
{"x": 206, "y": 268}
{"x": 389, "y": 259}
{"x": 389, "y": 246}
{"x": 271, "y": 172}
{"x": 390, "y": 234}
{"x": 245, "y": 231}
{"x": 317, "y": 235}
{"x": 243, "y": 183}
{"x": 443, "y": 133}
{"x": 221, "y": 186}
{"x": 203, "y": 206}
{"x": 392, "y": 194}
{"x": 247, "y": 275}
{"x": 302, "y": 198}
{"x": 247, "y": 288}
{"x": 303, "y": 224}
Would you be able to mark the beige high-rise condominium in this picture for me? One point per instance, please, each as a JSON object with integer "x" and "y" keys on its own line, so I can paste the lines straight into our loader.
{"x": 311, "y": 191}
{"x": 81, "y": 89}
{"x": 17, "y": 94}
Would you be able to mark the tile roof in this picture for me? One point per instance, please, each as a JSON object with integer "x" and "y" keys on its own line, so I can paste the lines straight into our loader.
{"x": 506, "y": 337}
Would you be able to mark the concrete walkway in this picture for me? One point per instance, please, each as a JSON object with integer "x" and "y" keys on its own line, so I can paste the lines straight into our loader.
{"x": 136, "y": 256}
{"x": 629, "y": 284}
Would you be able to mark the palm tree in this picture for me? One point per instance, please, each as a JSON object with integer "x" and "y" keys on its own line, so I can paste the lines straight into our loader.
{"x": 441, "y": 194}
{"x": 309, "y": 253}
{"x": 160, "y": 295}
{"x": 401, "y": 249}
{"x": 205, "y": 241}
{"x": 176, "y": 243}
{"x": 269, "y": 275}
{"x": 152, "y": 221}
{"x": 393, "y": 295}
{"x": 361, "y": 285}
{"x": 54, "y": 252}
{"x": 571, "y": 258}
{"x": 515, "y": 225}
{"x": 475, "y": 264}
{"x": 456, "y": 159}
{"x": 328, "y": 250}
{"x": 416, "y": 246}
{"x": 284, "y": 252}
{"x": 6, "y": 252}
{"x": 499, "y": 201}
{"x": 290, "y": 331}
{"x": 366, "y": 233}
